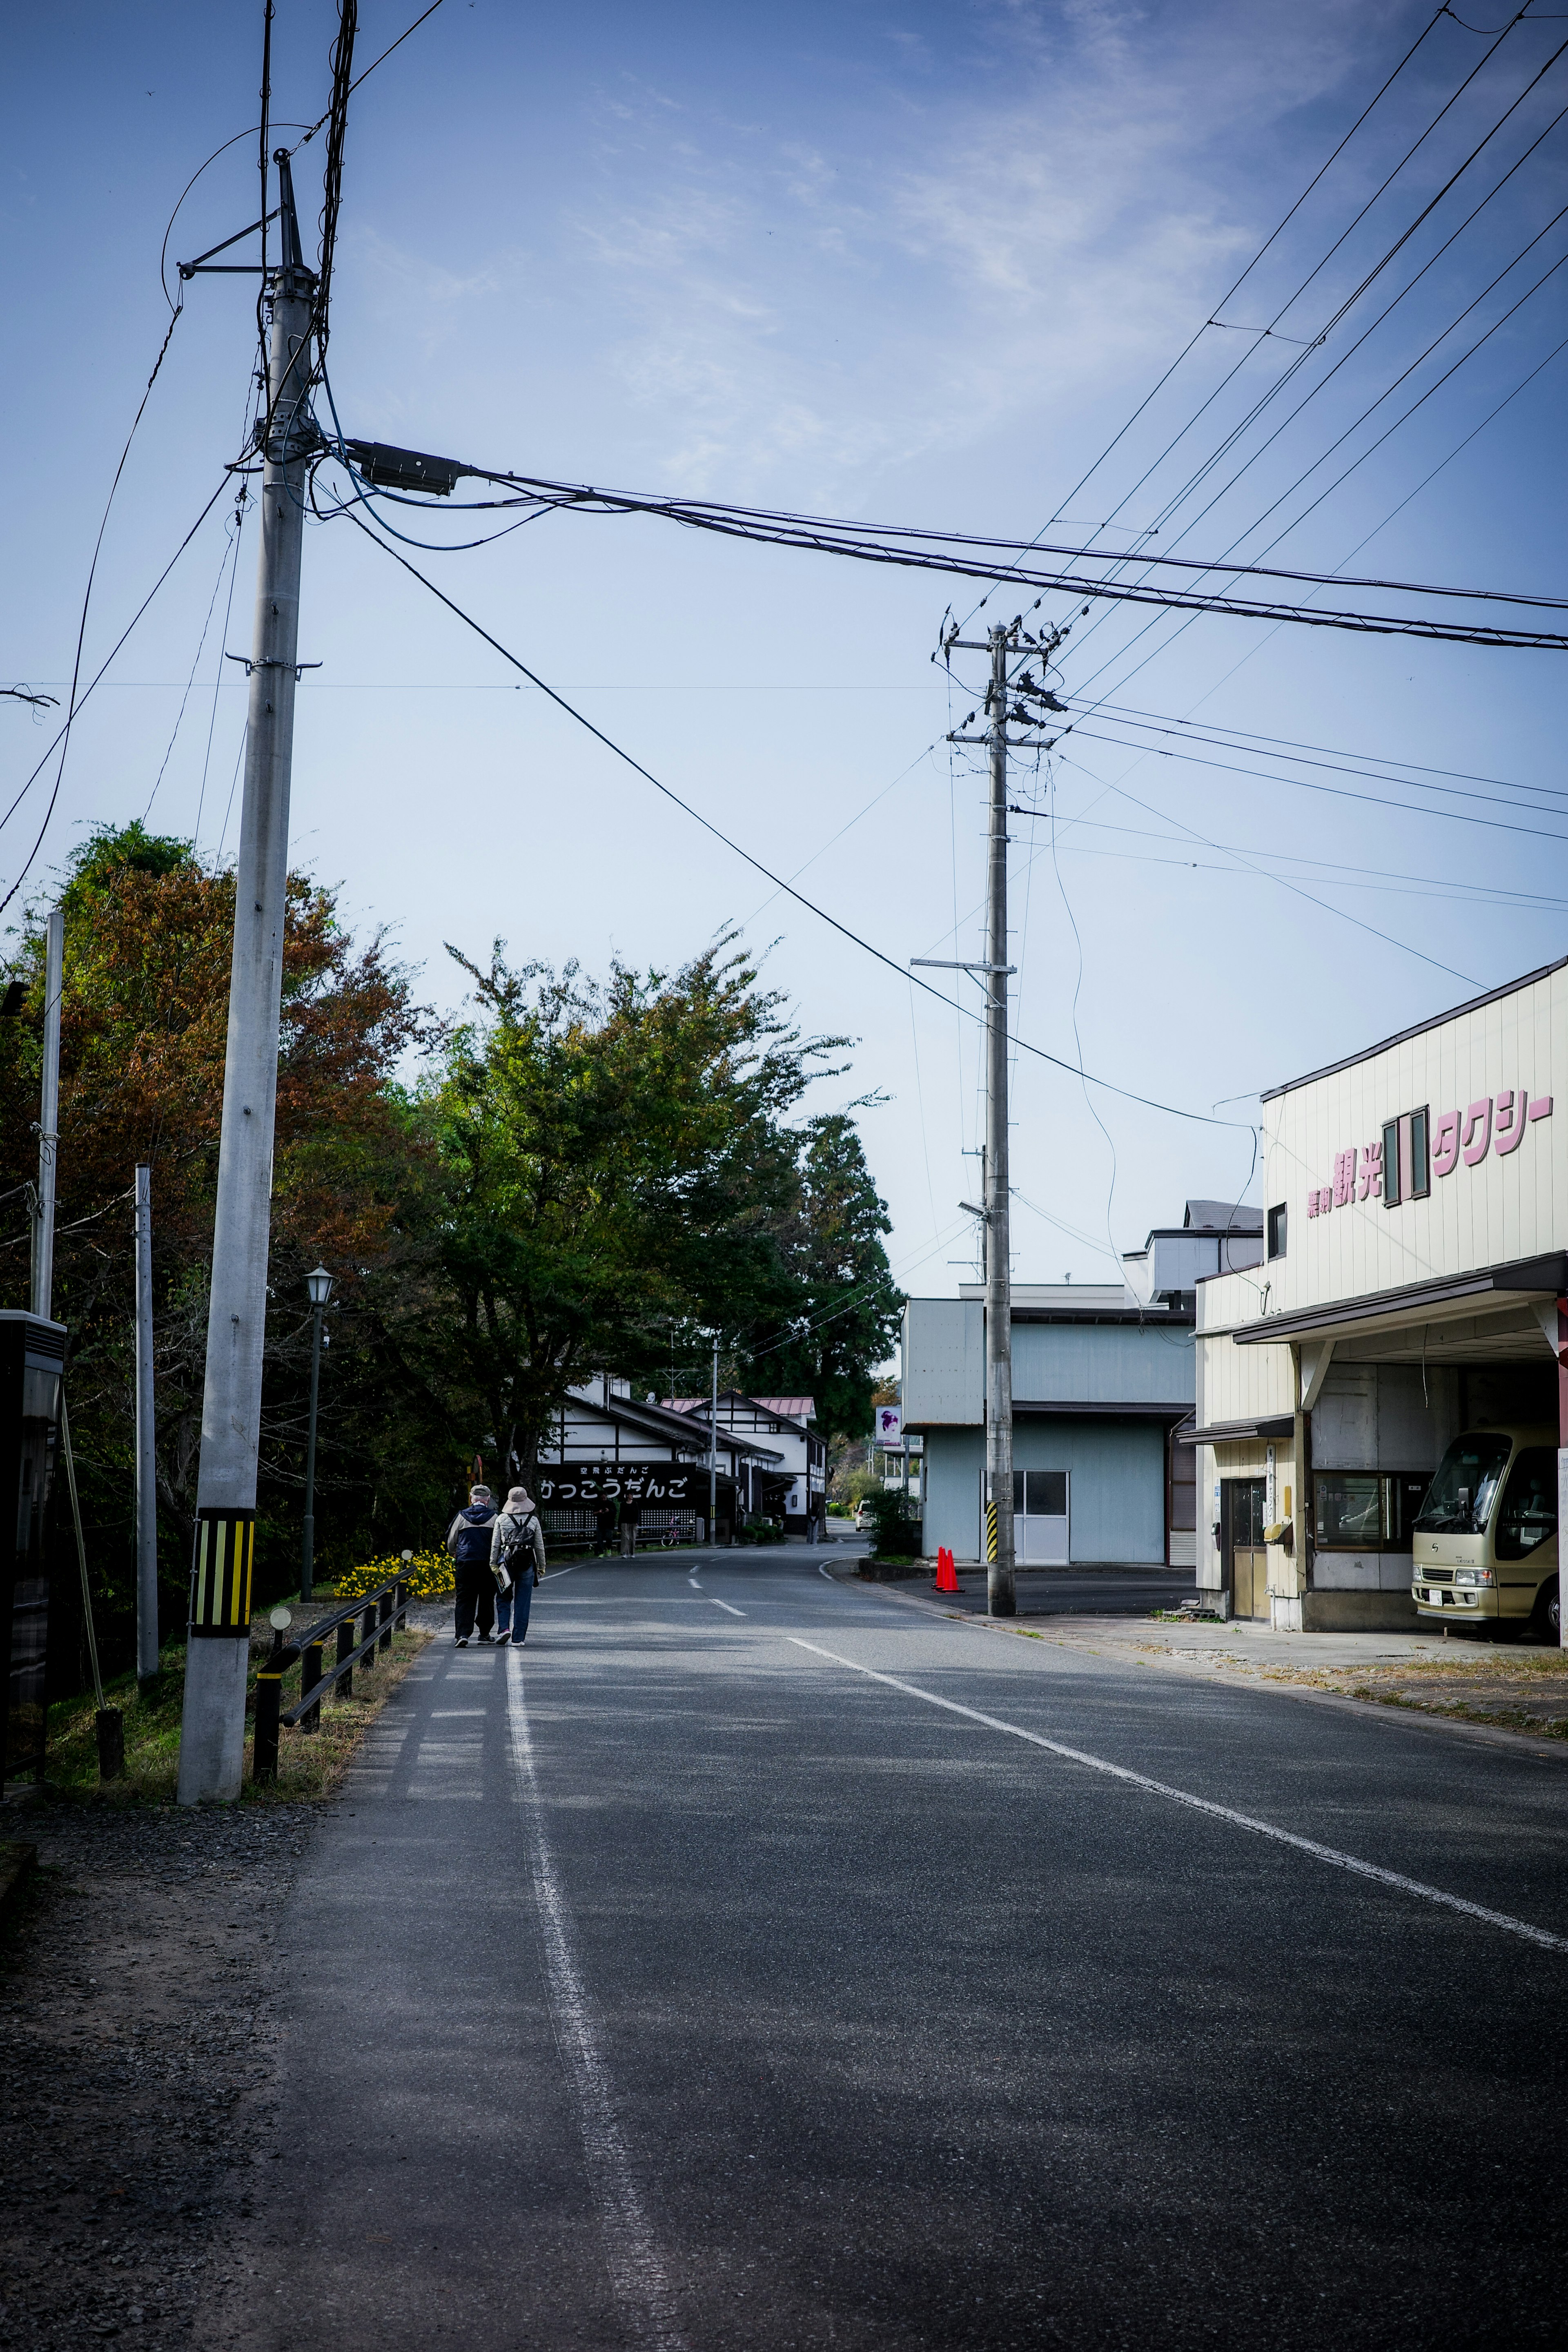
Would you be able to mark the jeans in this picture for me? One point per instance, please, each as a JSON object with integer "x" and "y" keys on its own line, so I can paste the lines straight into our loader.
{"x": 518, "y": 1603}
{"x": 476, "y": 1596}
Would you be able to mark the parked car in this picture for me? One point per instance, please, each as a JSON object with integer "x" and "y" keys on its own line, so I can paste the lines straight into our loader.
{"x": 863, "y": 1518}
{"x": 1484, "y": 1544}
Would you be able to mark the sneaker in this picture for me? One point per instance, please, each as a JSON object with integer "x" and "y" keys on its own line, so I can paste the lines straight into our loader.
{"x": 501, "y": 1640}
{"x": 463, "y": 1641}
{"x": 484, "y": 1637}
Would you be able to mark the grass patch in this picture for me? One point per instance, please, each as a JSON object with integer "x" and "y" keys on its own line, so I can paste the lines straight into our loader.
{"x": 309, "y": 1764}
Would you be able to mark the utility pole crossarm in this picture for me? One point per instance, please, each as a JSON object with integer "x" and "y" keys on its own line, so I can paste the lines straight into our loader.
{"x": 945, "y": 963}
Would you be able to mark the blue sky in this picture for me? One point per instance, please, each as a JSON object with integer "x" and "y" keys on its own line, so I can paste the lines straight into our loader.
{"x": 905, "y": 262}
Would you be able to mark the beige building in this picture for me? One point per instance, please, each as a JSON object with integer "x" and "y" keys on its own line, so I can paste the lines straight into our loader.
{"x": 1414, "y": 1286}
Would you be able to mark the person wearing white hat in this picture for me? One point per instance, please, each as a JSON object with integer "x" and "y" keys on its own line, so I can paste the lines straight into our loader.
{"x": 518, "y": 1559}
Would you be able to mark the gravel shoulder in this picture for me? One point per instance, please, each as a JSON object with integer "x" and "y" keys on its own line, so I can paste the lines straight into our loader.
{"x": 138, "y": 1992}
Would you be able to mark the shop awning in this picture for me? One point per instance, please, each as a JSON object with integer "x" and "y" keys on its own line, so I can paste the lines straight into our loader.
{"x": 1386, "y": 1311}
{"x": 1238, "y": 1433}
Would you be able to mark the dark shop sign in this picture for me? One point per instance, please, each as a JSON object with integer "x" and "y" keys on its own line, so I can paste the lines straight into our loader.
{"x": 574, "y": 1484}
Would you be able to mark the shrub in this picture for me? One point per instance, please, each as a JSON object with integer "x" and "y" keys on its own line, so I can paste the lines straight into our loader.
{"x": 429, "y": 1572}
{"x": 897, "y": 1526}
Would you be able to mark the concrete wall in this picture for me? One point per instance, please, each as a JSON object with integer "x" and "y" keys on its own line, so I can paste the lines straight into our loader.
{"x": 1116, "y": 1492}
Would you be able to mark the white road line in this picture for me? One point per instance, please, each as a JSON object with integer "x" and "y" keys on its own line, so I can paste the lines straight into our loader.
{"x": 1328, "y": 1854}
{"x": 636, "y": 2266}
{"x": 723, "y": 1604}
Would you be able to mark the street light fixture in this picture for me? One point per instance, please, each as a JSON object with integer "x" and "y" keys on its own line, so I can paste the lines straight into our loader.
{"x": 320, "y": 1286}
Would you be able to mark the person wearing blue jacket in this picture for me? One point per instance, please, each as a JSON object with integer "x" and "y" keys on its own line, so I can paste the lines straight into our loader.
{"x": 468, "y": 1541}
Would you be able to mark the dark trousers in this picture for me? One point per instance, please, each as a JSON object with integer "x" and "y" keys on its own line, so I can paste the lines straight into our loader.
{"x": 475, "y": 1595}
{"x": 512, "y": 1608}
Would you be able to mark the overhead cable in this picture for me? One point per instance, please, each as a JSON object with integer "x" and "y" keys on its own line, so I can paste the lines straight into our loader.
{"x": 77, "y": 700}
{"x": 1170, "y": 1110}
{"x": 914, "y": 548}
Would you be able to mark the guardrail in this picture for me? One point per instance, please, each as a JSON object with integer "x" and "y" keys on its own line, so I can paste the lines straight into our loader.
{"x": 377, "y": 1615}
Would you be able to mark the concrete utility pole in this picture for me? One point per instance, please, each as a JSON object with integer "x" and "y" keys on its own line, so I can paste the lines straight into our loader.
{"x": 1001, "y": 1590}
{"x": 212, "y": 1735}
{"x": 48, "y": 1115}
{"x": 1006, "y": 699}
{"x": 146, "y": 1455}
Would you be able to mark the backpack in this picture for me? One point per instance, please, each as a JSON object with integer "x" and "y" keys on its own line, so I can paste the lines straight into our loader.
{"x": 471, "y": 1542}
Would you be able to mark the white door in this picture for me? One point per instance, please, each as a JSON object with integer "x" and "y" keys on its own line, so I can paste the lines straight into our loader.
{"x": 1040, "y": 1519}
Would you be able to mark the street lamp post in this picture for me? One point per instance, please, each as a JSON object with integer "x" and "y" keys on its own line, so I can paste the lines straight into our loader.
{"x": 320, "y": 1286}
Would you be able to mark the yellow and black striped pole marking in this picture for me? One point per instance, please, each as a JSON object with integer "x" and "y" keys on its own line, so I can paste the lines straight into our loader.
{"x": 991, "y": 1533}
{"x": 220, "y": 1579}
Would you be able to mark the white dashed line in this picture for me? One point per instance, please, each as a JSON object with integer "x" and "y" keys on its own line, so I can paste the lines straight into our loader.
{"x": 723, "y": 1604}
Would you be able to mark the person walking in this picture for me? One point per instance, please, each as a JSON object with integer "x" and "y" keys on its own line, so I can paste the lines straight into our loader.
{"x": 468, "y": 1541}
{"x": 517, "y": 1557}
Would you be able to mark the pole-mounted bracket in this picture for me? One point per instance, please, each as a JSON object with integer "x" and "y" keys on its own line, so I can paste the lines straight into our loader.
{"x": 942, "y": 963}
{"x": 297, "y": 668}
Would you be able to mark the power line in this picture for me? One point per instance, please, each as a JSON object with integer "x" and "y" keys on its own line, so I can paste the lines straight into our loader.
{"x": 77, "y": 700}
{"x": 354, "y": 85}
{"x": 1199, "y": 1117}
{"x": 1296, "y": 889}
{"x": 1306, "y": 784}
{"x": 1208, "y": 403}
{"x": 1269, "y": 240}
{"x": 778, "y": 526}
{"x": 1191, "y": 733}
{"x": 1367, "y": 762}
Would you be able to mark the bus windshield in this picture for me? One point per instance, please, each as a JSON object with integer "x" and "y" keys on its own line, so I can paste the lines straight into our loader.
{"x": 1459, "y": 1498}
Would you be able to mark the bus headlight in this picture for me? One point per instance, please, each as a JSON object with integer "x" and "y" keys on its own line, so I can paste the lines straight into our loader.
{"x": 1474, "y": 1576}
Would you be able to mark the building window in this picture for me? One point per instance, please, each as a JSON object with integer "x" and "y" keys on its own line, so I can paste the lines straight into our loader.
{"x": 1406, "y": 1159}
{"x": 1276, "y": 1221}
{"x": 1366, "y": 1510}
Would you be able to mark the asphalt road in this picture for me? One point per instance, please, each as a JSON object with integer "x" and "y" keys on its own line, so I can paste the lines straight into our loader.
{"x": 678, "y": 1982}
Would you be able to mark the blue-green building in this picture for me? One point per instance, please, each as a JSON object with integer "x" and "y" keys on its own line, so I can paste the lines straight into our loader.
{"x": 1104, "y": 1379}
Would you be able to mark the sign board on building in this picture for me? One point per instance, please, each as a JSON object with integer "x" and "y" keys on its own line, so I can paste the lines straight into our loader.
{"x": 1396, "y": 1166}
{"x": 889, "y": 1423}
{"x": 576, "y": 1486}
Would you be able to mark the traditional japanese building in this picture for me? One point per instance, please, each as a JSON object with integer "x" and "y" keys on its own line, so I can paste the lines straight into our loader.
{"x": 615, "y": 1463}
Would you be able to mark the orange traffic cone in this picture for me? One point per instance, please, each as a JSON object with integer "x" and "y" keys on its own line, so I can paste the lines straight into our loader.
{"x": 947, "y": 1570}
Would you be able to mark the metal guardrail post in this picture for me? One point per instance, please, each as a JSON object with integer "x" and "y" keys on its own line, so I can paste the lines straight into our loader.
{"x": 343, "y": 1684}
{"x": 400, "y": 1620}
{"x": 386, "y": 1611}
{"x": 368, "y": 1634}
{"x": 268, "y": 1700}
{"x": 309, "y": 1679}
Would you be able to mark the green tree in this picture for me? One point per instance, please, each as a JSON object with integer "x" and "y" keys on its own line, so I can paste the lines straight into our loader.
{"x": 844, "y": 1305}
{"x": 617, "y": 1163}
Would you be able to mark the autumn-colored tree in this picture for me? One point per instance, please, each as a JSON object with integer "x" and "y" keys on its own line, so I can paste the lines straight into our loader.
{"x": 149, "y": 928}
